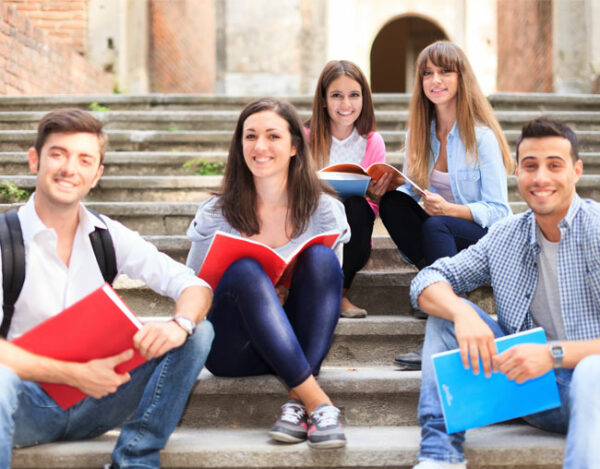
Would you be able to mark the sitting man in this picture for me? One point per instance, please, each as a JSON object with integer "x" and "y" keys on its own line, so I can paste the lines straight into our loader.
{"x": 61, "y": 268}
{"x": 544, "y": 267}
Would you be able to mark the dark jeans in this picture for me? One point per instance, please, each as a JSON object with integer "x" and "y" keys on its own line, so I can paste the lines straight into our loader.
{"x": 255, "y": 335}
{"x": 421, "y": 238}
{"x": 361, "y": 218}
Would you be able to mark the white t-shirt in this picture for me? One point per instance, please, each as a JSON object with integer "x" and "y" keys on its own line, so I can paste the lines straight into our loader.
{"x": 350, "y": 150}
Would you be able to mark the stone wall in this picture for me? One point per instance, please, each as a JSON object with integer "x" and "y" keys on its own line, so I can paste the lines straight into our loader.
{"x": 32, "y": 62}
{"x": 182, "y": 46}
{"x": 525, "y": 53}
{"x": 65, "y": 20}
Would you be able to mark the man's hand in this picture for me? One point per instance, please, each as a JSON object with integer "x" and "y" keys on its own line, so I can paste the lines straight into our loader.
{"x": 157, "y": 338}
{"x": 475, "y": 340}
{"x": 523, "y": 362}
{"x": 97, "y": 378}
{"x": 378, "y": 188}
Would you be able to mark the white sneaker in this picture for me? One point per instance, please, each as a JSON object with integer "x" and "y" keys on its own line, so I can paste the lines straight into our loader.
{"x": 431, "y": 464}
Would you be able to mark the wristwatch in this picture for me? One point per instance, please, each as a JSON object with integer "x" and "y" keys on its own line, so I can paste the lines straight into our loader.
{"x": 558, "y": 353}
{"x": 186, "y": 324}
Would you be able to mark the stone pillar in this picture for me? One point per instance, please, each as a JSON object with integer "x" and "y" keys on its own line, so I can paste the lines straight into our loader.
{"x": 572, "y": 42}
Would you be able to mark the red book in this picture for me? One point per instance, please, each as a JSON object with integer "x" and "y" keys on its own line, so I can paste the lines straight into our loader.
{"x": 99, "y": 325}
{"x": 226, "y": 248}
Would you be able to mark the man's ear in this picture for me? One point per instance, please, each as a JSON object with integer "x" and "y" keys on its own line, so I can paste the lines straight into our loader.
{"x": 578, "y": 168}
{"x": 34, "y": 160}
{"x": 99, "y": 173}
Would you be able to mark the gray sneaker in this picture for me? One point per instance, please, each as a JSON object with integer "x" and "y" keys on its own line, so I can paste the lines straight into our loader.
{"x": 325, "y": 429}
{"x": 291, "y": 426}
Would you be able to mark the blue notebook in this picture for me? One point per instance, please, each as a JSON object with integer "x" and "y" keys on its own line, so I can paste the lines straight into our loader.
{"x": 470, "y": 400}
{"x": 346, "y": 184}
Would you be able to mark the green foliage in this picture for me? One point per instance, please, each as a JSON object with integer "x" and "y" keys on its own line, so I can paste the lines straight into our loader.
{"x": 117, "y": 89}
{"x": 201, "y": 167}
{"x": 10, "y": 193}
{"x": 96, "y": 106}
{"x": 172, "y": 127}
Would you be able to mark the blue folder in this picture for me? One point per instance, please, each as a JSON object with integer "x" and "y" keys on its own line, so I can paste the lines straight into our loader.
{"x": 470, "y": 400}
{"x": 346, "y": 184}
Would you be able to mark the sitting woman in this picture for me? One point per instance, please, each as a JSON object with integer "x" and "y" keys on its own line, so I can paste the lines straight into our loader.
{"x": 456, "y": 152}
{"x": 271, "y": 194}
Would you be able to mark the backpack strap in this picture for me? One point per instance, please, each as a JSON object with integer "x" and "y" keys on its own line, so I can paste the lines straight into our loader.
{"x": 104, "y": 250}
{"x": 13, "y": 265}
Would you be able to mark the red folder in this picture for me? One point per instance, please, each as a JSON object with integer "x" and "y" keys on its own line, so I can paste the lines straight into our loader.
{"x": 225, "y": 249}
{"x": 99, "y": 325}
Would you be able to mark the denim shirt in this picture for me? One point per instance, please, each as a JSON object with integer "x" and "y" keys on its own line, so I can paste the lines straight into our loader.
{"x": 507, "y": 258}
{"x": 482, "y": 187}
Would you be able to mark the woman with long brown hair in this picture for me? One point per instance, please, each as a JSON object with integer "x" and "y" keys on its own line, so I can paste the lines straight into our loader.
{"x": 455, "y": 151}
{"x": 271, "y": 194}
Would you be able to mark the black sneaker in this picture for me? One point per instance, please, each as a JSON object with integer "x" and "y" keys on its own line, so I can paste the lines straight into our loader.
{"x": 325, "y": 429}
{"x": 292, "y": 425}
{"x": 410, "y": 361}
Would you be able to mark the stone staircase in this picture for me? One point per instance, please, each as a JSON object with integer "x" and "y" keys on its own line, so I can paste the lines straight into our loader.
{"x": 224, "y": 426}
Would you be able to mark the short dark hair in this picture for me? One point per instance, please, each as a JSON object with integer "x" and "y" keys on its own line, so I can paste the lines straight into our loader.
{"x": 544, "y": 127}
{"x": 70, "y": 120}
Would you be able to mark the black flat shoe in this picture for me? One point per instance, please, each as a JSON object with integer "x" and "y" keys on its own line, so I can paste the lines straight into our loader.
{"x": 410, "y": 361}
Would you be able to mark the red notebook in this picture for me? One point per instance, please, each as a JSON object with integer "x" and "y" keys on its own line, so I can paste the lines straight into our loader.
{"x": 226, "y": 248}
{"x": 97, "y": 326}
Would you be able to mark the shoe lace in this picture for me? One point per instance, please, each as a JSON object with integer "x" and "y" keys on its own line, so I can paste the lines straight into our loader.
{"x": 326, "y": 416}
{"x": 292, "y": 412}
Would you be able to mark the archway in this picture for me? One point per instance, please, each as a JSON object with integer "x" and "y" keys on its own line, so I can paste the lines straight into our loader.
{"x": 395, "y": 50}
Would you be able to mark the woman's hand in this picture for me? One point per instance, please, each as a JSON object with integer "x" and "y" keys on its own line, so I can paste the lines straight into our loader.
{"x": 378, "y": 188}
{"x": 282, "y": 293}
{"x": 435, "y": 204}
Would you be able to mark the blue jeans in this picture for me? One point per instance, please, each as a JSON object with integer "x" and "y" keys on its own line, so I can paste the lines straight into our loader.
{"x": 578, "y": 416}
{"x": 157, "y": 393}
{"x": 255, "y": 335}
{"x": 422, "y": 238}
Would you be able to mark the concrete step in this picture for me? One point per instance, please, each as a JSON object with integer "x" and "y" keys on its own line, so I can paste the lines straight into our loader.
{"x": 157, "y": 101}
{"x": 545, "y": 101}
{"x": 509, "y": 446}
{"x": 218, "y": 140}
{"x": 368, "y": 395}
{"x": 199, "y": 188}
{"x": 171, "y": 120}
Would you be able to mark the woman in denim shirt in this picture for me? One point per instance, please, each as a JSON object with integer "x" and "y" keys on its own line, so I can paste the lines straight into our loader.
{"x": 455, "y": 149}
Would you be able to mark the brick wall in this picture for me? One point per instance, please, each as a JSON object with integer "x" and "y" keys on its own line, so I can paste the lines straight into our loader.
{"x": 65, "y": 20}
{"x": 182, "y": 46}
{"x": 525, "y": 45}
{"x": 31, "y": 62}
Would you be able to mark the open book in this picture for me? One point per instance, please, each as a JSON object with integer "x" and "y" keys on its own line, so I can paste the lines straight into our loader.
{"x": 470, "y": 400}
{"x": 375, "y": 171}
{"x": 226, "y": 248}
{"x": 99, "y": 325}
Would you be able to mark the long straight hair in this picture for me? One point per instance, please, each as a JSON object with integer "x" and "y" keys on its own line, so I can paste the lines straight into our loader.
{"x": 320, "y": 122}
{"x": 472, "y": 108}
{"x": 238, "y": 193}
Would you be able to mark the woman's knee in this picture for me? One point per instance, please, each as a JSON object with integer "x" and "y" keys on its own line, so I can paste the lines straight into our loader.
{"x": 436, "y": 224}
{"x": 391, "y": 202}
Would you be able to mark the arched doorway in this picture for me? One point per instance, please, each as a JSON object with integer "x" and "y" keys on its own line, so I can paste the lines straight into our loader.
{"x": 395, "y": 50}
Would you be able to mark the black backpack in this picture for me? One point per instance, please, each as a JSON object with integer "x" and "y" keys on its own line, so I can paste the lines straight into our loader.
{"x": 13, "y": 261}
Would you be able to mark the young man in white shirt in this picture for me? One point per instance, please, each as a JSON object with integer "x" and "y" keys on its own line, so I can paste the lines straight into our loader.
{"x": 61, "y": 268}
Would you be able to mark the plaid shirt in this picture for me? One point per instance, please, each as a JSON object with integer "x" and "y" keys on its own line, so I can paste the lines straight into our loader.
{"x": 507, "y": 258}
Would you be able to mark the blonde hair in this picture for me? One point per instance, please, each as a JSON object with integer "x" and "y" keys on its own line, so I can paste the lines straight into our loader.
{"x": 472, "y": 108}
{"x": 320, "y": 124}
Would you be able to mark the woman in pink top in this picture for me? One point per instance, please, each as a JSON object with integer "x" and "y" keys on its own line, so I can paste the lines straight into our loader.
{"x": 342, "y": 130}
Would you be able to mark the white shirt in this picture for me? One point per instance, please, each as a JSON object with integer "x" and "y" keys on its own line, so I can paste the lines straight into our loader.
{"x": 50, "y": 286}
{"x": 350, "y": 150}
{"x": 440, "y": 181}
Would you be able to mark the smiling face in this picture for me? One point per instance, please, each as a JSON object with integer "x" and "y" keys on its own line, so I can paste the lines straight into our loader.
{"x": 440, "y": 84}
{"x": 546, "y": 176}
{"x": 344, "y": 102}
{"x": 67, "y": 168}
{"x": 267, "y": 145}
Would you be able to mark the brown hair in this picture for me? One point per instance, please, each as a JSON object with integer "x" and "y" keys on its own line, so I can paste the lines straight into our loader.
{"x": 544, "y": 127}
{"x": 238, "y": 193}
{"x": 70, "y": 120}
{"x": 472, "y": 108}
{"x": 320, "y": 126}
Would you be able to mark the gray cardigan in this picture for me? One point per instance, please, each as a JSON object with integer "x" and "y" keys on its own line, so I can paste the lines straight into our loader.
{"x": 329, "y": 215}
